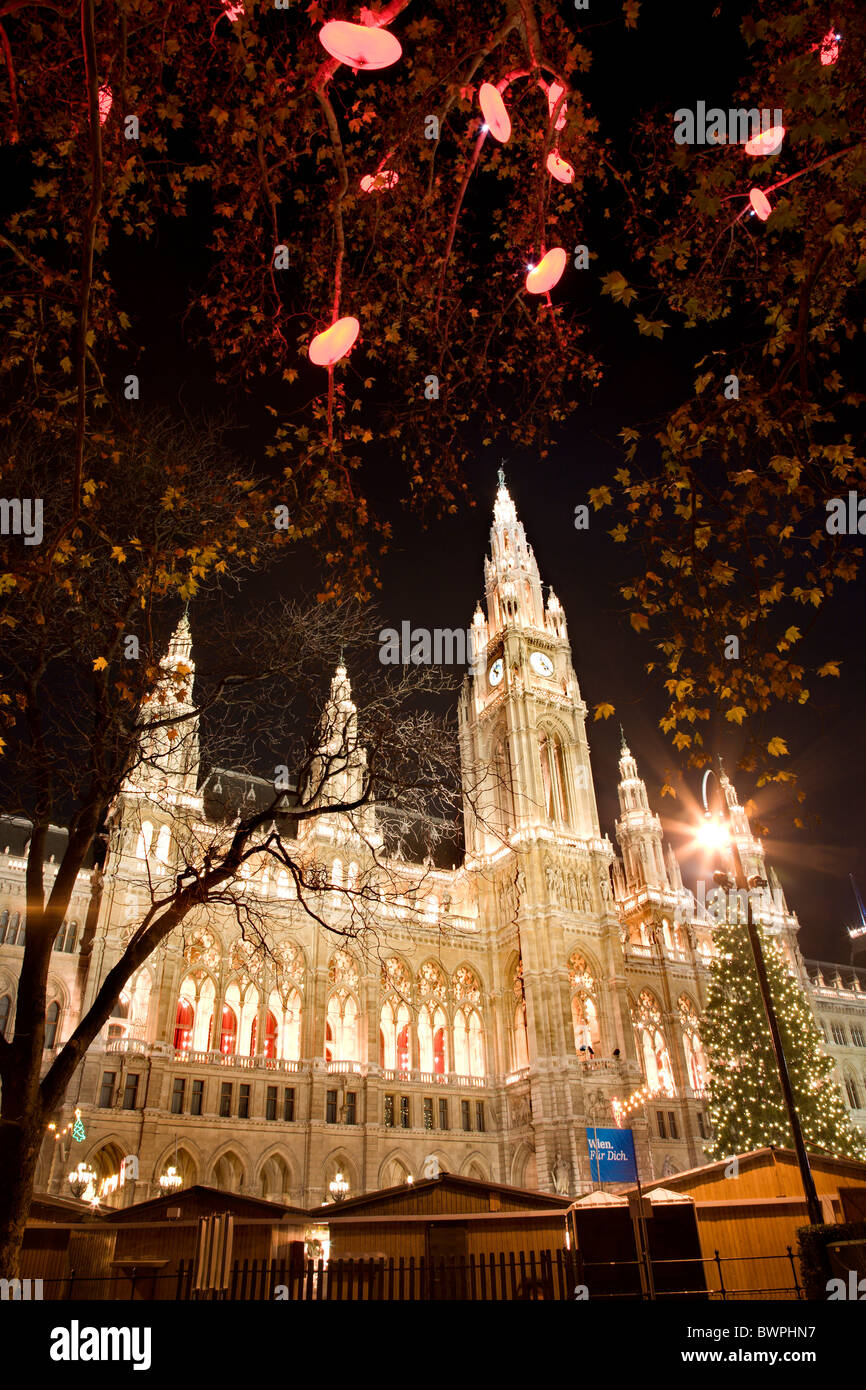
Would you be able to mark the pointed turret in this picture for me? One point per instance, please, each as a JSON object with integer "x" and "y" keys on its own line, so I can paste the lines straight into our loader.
{"x": 639, "y": 830}
{"x": 338, "y": 766}
{"x": 169, "y": 743}
{"x": 751, "y": 849}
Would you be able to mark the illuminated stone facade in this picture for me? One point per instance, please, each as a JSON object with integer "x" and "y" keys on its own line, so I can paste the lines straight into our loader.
{"x": 465, "y": 1035}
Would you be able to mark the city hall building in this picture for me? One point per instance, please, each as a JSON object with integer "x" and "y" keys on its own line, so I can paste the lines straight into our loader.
{"x": 508, "y": 1001}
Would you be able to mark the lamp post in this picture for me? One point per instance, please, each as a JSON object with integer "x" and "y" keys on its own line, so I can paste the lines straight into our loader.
{"x": 726, "y": 840}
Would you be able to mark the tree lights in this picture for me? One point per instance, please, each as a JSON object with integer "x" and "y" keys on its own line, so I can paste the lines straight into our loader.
{"x": 547, "y": 273}
{"x": 760, "y": 203}
{"x": 380, "y": 181}
{"x": 768, "y": 142}
{"x": 359, "y": 45}
{"x": 496, "y": 117}
{"x": 106, "y": 97}
{"x": 559, "y": 167}
{"x": 334, "y": 342}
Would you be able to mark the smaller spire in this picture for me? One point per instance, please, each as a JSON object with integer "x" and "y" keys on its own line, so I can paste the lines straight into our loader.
{"x": 501, "y": 475}
{"x": 622, "y": 743}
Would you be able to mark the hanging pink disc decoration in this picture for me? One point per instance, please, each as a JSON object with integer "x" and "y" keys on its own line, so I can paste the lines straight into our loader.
{"x": 360, "y": 46}
{"x": 768, "y": 142}
{"x": 377, "y": 183}
{"x": 547, "y": 273}
{"x": 495, "y": 114}
{"x": 761, "y": 203}
{"x": 106, "y": 97}
{"x": 559, "y": 167}
{"x": 328, "y": 347}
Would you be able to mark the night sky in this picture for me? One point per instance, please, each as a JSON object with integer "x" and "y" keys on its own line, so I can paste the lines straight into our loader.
{"x": 432, "y": 575}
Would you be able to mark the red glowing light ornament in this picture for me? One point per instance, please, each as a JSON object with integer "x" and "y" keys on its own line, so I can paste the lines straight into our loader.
{"x": 559, "y": 168}
{"x": 328, "y": 347}
{"x": 768, "y": 142}
{"x": 547, "y": 273}
{"x": 829, "y": 48}
{"x": 496, "y": 117}
{"x": 554, "y": 92}
{"x": 106, "y": 97}
{"x": 377, "y": 183}
{"x": 358, "y": 45}
{"x": 760, "y": 203}
{"x": 233, "y": 11}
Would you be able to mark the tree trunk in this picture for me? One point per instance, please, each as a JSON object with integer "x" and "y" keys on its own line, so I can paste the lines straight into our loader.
{"x": 20, "y": 1143}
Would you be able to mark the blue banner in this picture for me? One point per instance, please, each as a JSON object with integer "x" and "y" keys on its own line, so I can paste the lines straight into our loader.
{"x": 611, "y": 1155}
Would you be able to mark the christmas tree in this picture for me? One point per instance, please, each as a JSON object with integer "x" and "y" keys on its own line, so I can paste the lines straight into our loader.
{"x": 746, "y": 1109}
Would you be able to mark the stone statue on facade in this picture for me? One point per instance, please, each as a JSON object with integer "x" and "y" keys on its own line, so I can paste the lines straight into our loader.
{"x": 560, "y": 1176}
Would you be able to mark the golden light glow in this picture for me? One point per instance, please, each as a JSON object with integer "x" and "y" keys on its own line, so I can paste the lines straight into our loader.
{"x": 712, "y": 834}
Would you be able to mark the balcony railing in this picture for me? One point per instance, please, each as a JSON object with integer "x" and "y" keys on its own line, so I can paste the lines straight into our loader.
{"x": 429, "y": 1078}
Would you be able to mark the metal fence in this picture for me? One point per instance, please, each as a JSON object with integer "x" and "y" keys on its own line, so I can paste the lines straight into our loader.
{"x": 546, "y": 1275}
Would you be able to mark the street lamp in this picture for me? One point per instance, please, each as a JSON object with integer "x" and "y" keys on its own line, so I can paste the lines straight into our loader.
{"x": 338, "y": 1187}
{"x": 716, "y": 835}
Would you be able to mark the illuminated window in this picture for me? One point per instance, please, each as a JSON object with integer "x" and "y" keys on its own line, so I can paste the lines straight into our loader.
{"x": 553, "y": 779}
{"x": 52, "y": 1017}
{"x": 228, "y": 1031}
{"x": 183, "y": 1025}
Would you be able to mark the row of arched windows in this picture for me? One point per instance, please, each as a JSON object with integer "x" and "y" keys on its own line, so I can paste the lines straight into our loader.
{"x": 553, "y": 764}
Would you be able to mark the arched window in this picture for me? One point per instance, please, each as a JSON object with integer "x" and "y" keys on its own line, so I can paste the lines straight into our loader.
{"x": 853, "y": 1093}
{"x": 341, "y": 1028}
{"x": 476, "y": 1045}
{"x": 553, "y": 779}
{"x": 503, "y": 786}
{"x": 653, "y": 1046}
{"x": 163, "y": 844}
{"x": 15, "y": 932}
{"x": 440, "y": 1044}
{"x": 283, "y": 884}
{"x": 352, "y": 880}
{"x": 71, "y": 937}
{"x": 145, "y": 838}
{"x": 228, "y": 1031}
{"x": 337, "y": 874}
{"x": 696, "y": 1062}
{"x": 52, "y": 1018}
{"x": 5, "y": 1011}
{"x": 183, "y": 1025}
{"x": 461, "y": 1044}
{"x": 270, "y": 1035}
{"x": 4, "y": 920}
{"x": 584, "y": 1011}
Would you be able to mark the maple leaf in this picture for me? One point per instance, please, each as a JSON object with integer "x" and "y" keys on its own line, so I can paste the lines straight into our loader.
{"x": 736, "y": 714}
{"x": 830, "y": 668}
{"x": 777, "y": 748}
{"x": 99, "y": 663}
{"x": 603, "y": 711}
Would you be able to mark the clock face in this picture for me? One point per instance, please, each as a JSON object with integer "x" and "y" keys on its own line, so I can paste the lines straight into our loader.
{"x": 541, "y": 664}
{"x": 494, "y": 675}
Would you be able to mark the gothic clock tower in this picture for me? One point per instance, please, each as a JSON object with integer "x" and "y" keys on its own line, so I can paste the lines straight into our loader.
{"x": 533, "y": 837}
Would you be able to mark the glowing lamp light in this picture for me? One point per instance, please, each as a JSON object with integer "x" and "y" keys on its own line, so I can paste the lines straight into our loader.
{"x": 358, "y": 45}
{"x": 713, "y": 833}
{"x": 554, "y": 92}
{"x": 829, "y": 48}
{"x": 233, "y": 11}
{"x": 328, "y": 347}
{"x": 760, "y": 203}
{"x": 496, "y": 117}
{"x": 106, "y": 97}
{"x": 547, "y": 273}
{"x": 768, "y": 142}
{"x": 559, "y": 168}
{"x": 377, "y": 183}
